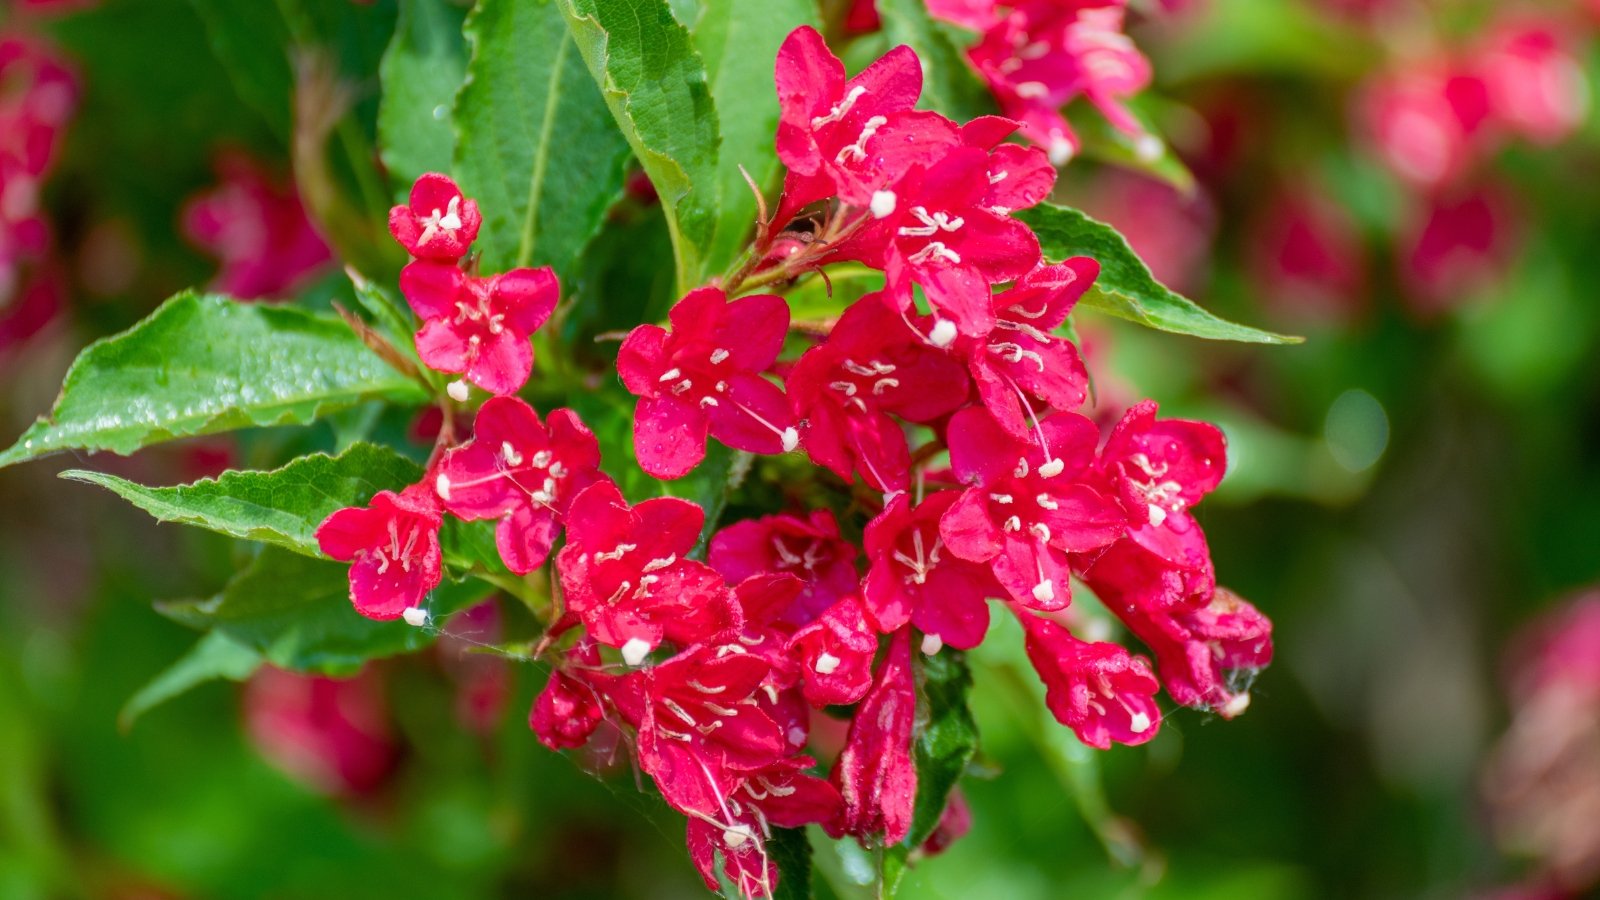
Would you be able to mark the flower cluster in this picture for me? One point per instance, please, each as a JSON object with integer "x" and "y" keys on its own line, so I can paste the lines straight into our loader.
{"x": 38, "y": 94}
{"x": 1037, "y": 56}
{"x": 710, "y": 670}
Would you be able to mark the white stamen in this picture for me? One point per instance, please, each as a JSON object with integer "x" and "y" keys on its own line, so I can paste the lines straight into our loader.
{"x": 858, "y": 150}
{"x": 1061, "y": 152}
{"x": 1044, "y": 592}
{"x": 616, "y": 554}
{"x": 934, "y": 250}
{"x": 1157, "y": 515}
{"x": 1139, "y": 723}
{"x": 1046, "y": 501}
{"x": 944, "y": 330}
{"x": 1013, "y": 524}
{"x": 1002, "y": 498}
{"x": 635, "y": 650}
{"x": 882, "y": 204}
{"x": 1032, "y": 89}
{"x": 840, "y": 109}
{"x": 542, "y": 460}
{"x": 670, "y": 374}
{"x": 826, "y": 664}
{"x": 458, "y": 391}
{"x": 414, "y": 616}
{"x": 510, "y": 454}
{"x": 1052, "y": 468}
{"x": 1237, "y": 705}
{"x": 718, "y": 355}
{"x": 932, "y": 644}
{"x": 656, "y": 565}
{"x": 791, "y": 439}
{"x": 739, "y": 835}
{"x": 441, "y": 485}
{"x": 997, "y": 177}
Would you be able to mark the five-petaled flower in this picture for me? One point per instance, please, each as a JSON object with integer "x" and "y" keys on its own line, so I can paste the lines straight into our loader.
{"x": 517, "y": 470}
{"x": 704, "y": 376}
{"x": 393, "y": 546}
{"x": 438, "y": 223}
{"x": 1030, "y": 503}
{"x": 626, "y": 574}
{"x": 915, "y": 578}
{"x": 811, "y": 549}
{"x": 479, "y": 327}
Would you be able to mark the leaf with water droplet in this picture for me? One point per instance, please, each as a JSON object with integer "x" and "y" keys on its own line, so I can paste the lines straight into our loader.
{"x": 202, "y": 364}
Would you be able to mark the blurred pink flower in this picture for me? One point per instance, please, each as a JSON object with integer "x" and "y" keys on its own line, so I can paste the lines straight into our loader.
{"x": 257, "y": 229}
{"x": 329, "y": 734}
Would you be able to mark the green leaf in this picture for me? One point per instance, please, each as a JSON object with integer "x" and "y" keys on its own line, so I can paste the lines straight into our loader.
{"x": 949, "y": 85}
{"x": 1126, "y": 288}
{"x": 295, "y": 611}
{"x": 420, "y": 75}
{"x": 739, "y": 41}
{"x": 215, "y": 656}
{"x": 537, "y": 148}
{"x": 202, "y": 364}
{"x": 791, "y": 851}
{"x": 655, "y": 84}
{"x": 946, "y": 740}
{"x": 251, "y": 40}
{"x": 1103, "y": 142}
{"x": 282, "y": 507}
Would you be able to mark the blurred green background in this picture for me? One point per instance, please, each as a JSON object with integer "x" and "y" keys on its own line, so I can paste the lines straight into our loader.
{"x": 1408, "y": 487}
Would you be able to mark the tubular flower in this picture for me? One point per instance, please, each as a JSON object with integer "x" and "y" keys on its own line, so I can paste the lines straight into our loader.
{"x": 626, "y": 575}
{"x": 1159, "y": 469}
{"x": 916, "y": 579}
{"x": 1030, "y": 504}
{"x": 811, "y": 549}
{"x": 704, "y": 376}
{"x": 479, "y": 327}
{"x": 873, "y": 368}
{"x": 875, "y": 774}
{"x": 393, "y": 546}
{"x": 517, "y": 470}
{"x": 1022, "y": 358}
{"x": 1099, "y": 690}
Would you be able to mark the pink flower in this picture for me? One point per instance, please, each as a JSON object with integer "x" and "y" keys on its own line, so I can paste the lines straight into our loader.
{"x": 625, "y": 573}
{"x": 698, "y": 735}
{"x": 704, "y": 376}
{"x": 1461, "y": 246}
{"x": 331, "y": 734}
{"x": 954, "y": 823}
{"x": 915, "y": 578}
{"x": 569, "y": 709}
{"x": 875, "y": 774}
{"x": 810, "y": 549}
{"x": 520, "y": 472}
{"x": 1536, "y": 85}
{"x": 850, "y": 138}
{"x": 1159, "y": 469}
{"x": 257, "y": 229}
{"x": 1022, "y": 357}
{"x": 1019, "y": 177}
{"x": 1030, "y": 503}
{"x": 835, "y": 654}
{"x": 393, "y": 545}
{"x": 1426, "y": 120}
{"x": 1208, "y": 642}
{"x": 942, "y": 236}
{"x": 873, "y": 368}
{"x": 479, "y": 327}
{"x": 438, "y": 223}
{"x": 781, "y": 795}
{"x": 1099, "y": 690}
{"x": 1307, "y": 256}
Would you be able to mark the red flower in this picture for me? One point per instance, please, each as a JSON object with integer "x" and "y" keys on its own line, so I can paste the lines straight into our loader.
{"x": 943, "y": 236}
{"x": 872, "y": 368}
{"x": 915, "y": 578}
{"x": 850, "y": 138}
{"x": 704, "y": 376}
{"x": 479, "y": 327}
{"x": 781, "y": 795}
{"x": 809, "y": 549}
{"x": 875, "y": 774}
{"x": 393, "y": 544}
{"x": 257, "y": 229}
{"x": 439, "y": 223}
{"x": 699, "y": 734}
{"x": 1099, "y": 690}
{"x": 331, "y": 734}
{"x": 570, "y": 708}
{"x": 1536, "y": 84}
{"x": 1030, "y": 503}
{"x": 1022, "y": 358}
{"x": 835, "y": 654}
{"x": 1160, "y": 468}
{"x": 520, "y": 472}
{"x": 624, "y": 572}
